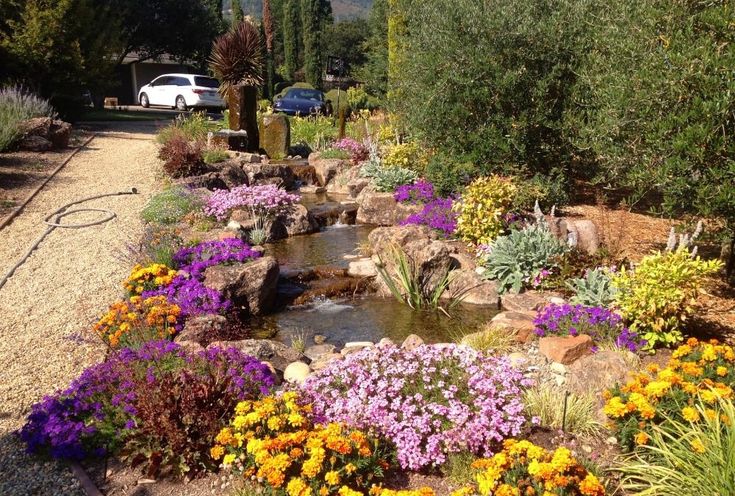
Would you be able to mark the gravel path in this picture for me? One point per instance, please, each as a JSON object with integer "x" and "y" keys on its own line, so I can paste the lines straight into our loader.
{"x": 47, "y": 307}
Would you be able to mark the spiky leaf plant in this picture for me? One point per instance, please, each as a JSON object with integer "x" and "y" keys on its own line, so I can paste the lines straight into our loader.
{"x": 237, "y": 57}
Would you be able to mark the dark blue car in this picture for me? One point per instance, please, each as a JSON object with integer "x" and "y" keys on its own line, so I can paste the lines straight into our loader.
{"x": 302, "y": 101}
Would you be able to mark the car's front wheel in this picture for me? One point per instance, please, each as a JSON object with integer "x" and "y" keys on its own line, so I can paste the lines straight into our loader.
{"x": 180, "y": 103}
{"x": 144, "y": 101}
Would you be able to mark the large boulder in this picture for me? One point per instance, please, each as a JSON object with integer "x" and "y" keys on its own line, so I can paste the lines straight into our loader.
{"x": 526, "y": 302}
{"x": 277, "y": 354}
{"x": 201, "y": 328}
{"x": 59, "y": 134}
{"x": 275, "y": 135}
{"x": 278, "y": 174}
{"x": 250, "y": 286}
{"x": 429, "y": 257}
{"x": 347, "y": 182}
{"x": 35, "y": 143}
{"x": 210, "y": 181}
{"x": 599, "y": 372}
{"x": 473, "y": 289}
{"x": 381, "y": 209}
{"x": 586, "y": 235}
{"x": 297, "y": 220}
{"x": 327, "y": 168}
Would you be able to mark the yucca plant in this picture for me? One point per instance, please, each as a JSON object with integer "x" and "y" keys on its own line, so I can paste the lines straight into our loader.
{"x": 237, "y": 61}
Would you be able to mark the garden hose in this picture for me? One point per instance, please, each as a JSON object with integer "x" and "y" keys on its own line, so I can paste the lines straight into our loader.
{"x": 53, "y": 221}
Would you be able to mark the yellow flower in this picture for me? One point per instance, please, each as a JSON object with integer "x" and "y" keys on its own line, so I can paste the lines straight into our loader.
{"x": 297, "y": 487}
{"x": 722, "y": 371}
{"x": 229, "y": 459}
{"x": 590, "y": 486}
{"x": 641, "y": 438}
{"x": 697, "y": 446}
{"x": 216, "y": 452}
{"x": 690, "y": 414}
{"x": 332, "y": 478}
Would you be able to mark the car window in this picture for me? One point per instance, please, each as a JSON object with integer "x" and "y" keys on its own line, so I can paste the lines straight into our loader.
{"x": 207, "y": 82}
{"x": 181, "y": 81}
{"x": 158, "y": 81}
{"x": 305, "y": 94}
{"x": 163, "y": 81}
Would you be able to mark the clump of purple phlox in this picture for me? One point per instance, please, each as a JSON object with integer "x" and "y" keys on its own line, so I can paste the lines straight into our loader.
{"x": 601, "y": 324}
{"x": 358, "y": 151}
{"x": 263, "y": 200}
{"x": 196, "y": 259}
{"x": 419, "y": 192}
{"x": 437, "y": 214}
{"x": 428, "y": 402}
{"x": 98, "y": 411}
{"x": 192, "y": 297}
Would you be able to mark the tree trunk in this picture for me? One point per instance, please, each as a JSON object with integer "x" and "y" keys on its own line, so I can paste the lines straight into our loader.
{"x": 243, "y": 116}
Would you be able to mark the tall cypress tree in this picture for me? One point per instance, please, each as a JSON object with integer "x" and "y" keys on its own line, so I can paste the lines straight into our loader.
{"x": 315, "y": 14}
{"x": 291, "y": 36}
{"x": 237, "y": 13}
{"x": 269, "y": 36}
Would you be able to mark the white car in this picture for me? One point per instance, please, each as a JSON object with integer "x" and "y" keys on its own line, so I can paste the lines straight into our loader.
{"x": 182, "y": 91}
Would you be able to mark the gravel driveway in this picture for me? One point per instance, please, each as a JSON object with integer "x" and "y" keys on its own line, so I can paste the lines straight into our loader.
{"x": 47, "y": 307}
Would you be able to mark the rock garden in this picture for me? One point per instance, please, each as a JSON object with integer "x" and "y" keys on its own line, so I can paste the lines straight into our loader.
{"x": 334, "y": 324}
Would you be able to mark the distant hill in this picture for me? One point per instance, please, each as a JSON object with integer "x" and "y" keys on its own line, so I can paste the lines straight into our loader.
{"x": 343, "y": 9}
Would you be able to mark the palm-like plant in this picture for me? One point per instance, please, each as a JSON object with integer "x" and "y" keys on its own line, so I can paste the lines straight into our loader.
{"x": 237, "y": 61}
{"x": 237, "y": 57}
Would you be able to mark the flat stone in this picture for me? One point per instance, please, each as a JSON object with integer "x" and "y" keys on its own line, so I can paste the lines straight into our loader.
{"x": 363, "y": 267}
{"x": 518, "y": 359}
{"x": 381, "y": 209}
{"x": 565, "y": 349}
{"x": 472, "y": 289}
{"x": 200, "y": 328}
{"x": 412, "y": 342}
{"x": 362, "y": 344}
{"x": 252, "y": 286}
{"x": 386, "y": 342}
{"x": 296, "y": 373}
{"x": 519, "y": 323}
{"x": 316, "y": 351}
{"x": 319, "y": 338}
{"x": 529, "y": 301}
{"x": 558, "y": 368}
{"x": 598, "y": 372}
{"x": 276, "y": 353}
{"x": 325, "y": 361}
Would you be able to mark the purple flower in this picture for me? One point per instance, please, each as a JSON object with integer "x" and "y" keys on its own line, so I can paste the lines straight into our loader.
{"x": 437, "y": 214}
{"x": 601, "y": 324}
{"x": 419, "y": 192}
{"x": 98, "y": 410}
{"x": 396, "y": 394}
{"x": 195, "y": 260}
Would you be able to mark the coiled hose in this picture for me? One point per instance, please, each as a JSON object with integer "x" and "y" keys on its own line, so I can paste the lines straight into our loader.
{"x": 56, "y": 222}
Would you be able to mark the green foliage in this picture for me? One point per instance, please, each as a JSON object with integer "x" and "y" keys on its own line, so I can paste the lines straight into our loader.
{"x": 659, "y": 97}
{"x": 316, "y": 131}
{"x": 193, "y": 127}
{"x": 375, "y": 70}
{"x": 345, "y": 39}
{"x": 547, "y": 403}
{"x": 499, "y": 78}
{"x": 481, "y": 208}
{"x": 359, "y": 99}
{"x": 449, "y": 174}
{"x": 158, "y": 245}
{"x": 237, "y": 13}
{"x": 549, "y": 190}
{"x": 595, "y": 289}
{"x": 332, "y": 153}
{"x": 340, "y": 96}
{"x": 411, "y": 285}
{"x": 387, "y": 179}
{"x": 686, "y": 458}
{"x": 659, "y": 294}
{"x": 291, "y": 37}
{"x": 16, "y": 106}
{"x": 516, "y": 259}
{"x": 171, "y": 206}
{"x": 214, "y": 155}
{"x": 314, "y": 17}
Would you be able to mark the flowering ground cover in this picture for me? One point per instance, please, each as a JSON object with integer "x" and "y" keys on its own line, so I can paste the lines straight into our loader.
{"x": 265, "y": 200}
{"x": 428, "y": 402}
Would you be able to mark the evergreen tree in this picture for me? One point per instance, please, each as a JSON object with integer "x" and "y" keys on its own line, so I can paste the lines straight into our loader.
{"x": 237, "y": 13}
{"x": 375, "y": 70}
{"x": 315, "y": 14}
{"x": 291, "y": 36}
{"x": 269, "y": 35}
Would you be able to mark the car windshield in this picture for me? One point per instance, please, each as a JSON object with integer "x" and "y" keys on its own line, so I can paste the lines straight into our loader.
{"x": 305, "y": 94}
{"x": 207, "y": 82}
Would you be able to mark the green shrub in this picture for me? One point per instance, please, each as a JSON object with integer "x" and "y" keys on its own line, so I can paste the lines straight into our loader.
{"x": 193, "y": 127}
{"x": 548, "y": 190}
{"x": 315, "y": 131}
{"x": 359, "y": 99}
{"x": 214, "y": 155}
{"x": 481, "y": 207}
{"x": 387, "y": 179}
{"x": 686, "y": 458}
{"x": 408, "y": 155}
{"x": 595, "y": 289}
{"x": 16, "y": 106}
{"x": 333, "y": 153}
{"x": 659, "y": 294}
{"x": 344, "y": 104}
{"x": 517, "y": 259}
{"x": 170, "y": 206}
{"x": 450, "y": 175}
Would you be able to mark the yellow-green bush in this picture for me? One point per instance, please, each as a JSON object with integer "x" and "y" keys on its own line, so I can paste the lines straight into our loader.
{"x": 409, "y": 155}
{"x": 660, "y": 294}
{"x": 481, "y": 208}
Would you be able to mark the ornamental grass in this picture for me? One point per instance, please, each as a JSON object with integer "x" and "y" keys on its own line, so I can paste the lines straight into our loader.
{"x": 697, "y": 371}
